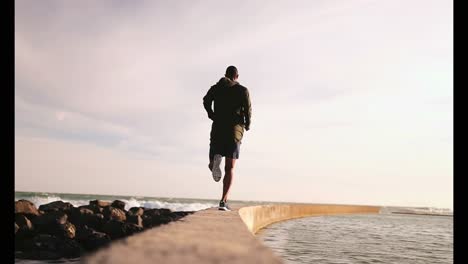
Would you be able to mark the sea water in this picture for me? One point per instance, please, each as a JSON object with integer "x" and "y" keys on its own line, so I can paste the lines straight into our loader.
{"x": 377, "y": 238}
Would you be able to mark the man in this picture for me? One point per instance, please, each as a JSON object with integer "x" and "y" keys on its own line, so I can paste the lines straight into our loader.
{"x": 231, "y": 115}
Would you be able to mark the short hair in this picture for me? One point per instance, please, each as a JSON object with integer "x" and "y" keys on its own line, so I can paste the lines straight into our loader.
{"x": 231, "y": 72}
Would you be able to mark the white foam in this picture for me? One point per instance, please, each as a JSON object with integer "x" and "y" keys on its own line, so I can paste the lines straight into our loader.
{"x": 40, "y": 200}
{"x": 169, "y": 205}
{"x": 417, "y": 210}
{"x": 174, "y": 206}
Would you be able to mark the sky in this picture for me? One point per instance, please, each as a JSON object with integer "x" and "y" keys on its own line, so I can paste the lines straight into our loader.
{"x": 352, "y": 101}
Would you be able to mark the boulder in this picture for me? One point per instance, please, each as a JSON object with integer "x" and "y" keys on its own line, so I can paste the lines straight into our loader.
{"x": 112, "y": 213}
{"x": 83, "y": 216}
{"x": 84, "y": 211}
{"x": 157, "y": 211}
{"x": 156, "y": 220}
{"x": 25, "y": 227}
{"x": 156, "y": 217}
{"x": 132, "y": 229}
{"x": 100, "y": 203}
{"x": 56, "y": 206}
{"x": 53, "y": 217}
{"x": 118, "y": 204}
{"x": 23, "y": 222}
{"x": 67, "y": 230}
{"x": 44, "y": 246}
{"x": 96, "y": 209}
{"x": 27, "y": 208}
{"x": 135, "y": 219}
{"x": 54, "y": 223}
{"x": 98, "y": 222}
{"x": 136, "y": 211}
{"x": 183, "y": 213}
{"x": 92, "y": 240}
{"x": 117, "y": 229}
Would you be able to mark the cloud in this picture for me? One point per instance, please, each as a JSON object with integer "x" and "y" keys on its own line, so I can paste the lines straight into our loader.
{"x": 332, "y": 84}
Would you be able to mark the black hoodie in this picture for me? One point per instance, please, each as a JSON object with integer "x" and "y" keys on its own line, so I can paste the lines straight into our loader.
{"x": 231, "y": 104}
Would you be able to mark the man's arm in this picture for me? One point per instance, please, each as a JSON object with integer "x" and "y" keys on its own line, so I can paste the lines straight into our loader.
{"x": 208, "y": 100}
{"x": 247, "y": 106}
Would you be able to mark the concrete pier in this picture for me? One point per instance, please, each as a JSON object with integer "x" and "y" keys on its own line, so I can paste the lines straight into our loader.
{"x": 213, "y": 236}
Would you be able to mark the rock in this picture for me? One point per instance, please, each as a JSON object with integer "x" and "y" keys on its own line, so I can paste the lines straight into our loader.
{"x": 135, "y": 219}
{"x": 56, "y": 206}
{"x": 79, "y": 215}
{"x": 112, "y": 213}
{"x": 38, "y": 255}
{"x": 44, "y": 246}
{"x": 92, "y": 240}
{"x": 156, "y": 217}
{"x": 80, "y": 211}
{"x": 183, "y": 213}
{"x": 41, "y": 241}
{"x": 177, "y": 215}
{"x": 145, "y": 219}
{"x": 156, "y": 211}
{"x": 157, "y": 220}
{"x": 27, "y": 208}
{"x": 132, "y": 229}
{"x": 23, "y": 222}
{"x": 70, "y": 248}
{"x": 67, "y": 230}
{"x": 59, "y": 230}
{"x": 98, "y": 222}
{"x": 100, "y": 203}
{"x": 117, "y": 229}
{"x": 83, "y": 216}
{"x": 54, "y": 223}
{"x": 118, "y": 204}
{"x": 83, "y": 232}
{"x": 85, "y": 211}
{"x": 53, "y": 217}
{"x": 136, "y": 211}
{"x": 96, "y": 209}
{"x": 24, "y": 232}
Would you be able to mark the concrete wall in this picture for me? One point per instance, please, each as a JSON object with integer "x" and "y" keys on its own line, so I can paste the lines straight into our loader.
{"x": 257, "y": 217}
{"x": 212, "y": 236}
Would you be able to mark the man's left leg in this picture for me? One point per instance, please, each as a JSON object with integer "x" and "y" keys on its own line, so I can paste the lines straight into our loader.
{"x": 211, "y": 152}
{"x": 215, "y": 162}
{"x": 210, "y": 165}
{"x": 229, "y": 173}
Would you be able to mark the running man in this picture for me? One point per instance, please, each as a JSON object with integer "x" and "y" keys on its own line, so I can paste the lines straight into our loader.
{"x": 231, "y": 115}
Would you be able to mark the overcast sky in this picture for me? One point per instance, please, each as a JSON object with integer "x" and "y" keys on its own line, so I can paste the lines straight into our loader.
{"x": 352, "y": 100}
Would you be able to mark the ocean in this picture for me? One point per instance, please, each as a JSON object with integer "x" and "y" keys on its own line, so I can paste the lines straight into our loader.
{"x": 382, "y": 238}
{"x": 175, "y": 204}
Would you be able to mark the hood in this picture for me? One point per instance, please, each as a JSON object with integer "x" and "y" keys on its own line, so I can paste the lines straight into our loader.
{"x": 226, "y": 82}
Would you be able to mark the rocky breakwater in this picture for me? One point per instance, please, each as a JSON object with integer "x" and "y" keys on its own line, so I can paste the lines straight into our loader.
{"x": 60, "y": 230}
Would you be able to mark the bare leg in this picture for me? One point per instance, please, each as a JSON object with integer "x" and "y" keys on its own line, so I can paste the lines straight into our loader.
{"x": 210, "y": 165}
{"x": 227, "y": 181}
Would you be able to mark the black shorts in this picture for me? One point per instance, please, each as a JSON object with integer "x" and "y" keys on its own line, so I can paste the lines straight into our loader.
{"x": 229, "y": 150}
